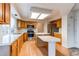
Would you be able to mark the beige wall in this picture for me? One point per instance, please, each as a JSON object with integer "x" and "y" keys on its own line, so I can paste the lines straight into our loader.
{"x": 40, "y": 27}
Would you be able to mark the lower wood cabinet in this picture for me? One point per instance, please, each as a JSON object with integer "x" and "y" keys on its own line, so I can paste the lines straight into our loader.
{"x": 57, "y": 35}
{"x": 25, "y": 37}
{"x": 17, "y": 45}
{"x": 14, "y": 48}
{"x": 20, "y": 43}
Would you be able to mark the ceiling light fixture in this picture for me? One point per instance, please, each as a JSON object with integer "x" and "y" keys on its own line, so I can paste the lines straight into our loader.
{"x": 34, "y": 15}
{"x": 42, "y": 16}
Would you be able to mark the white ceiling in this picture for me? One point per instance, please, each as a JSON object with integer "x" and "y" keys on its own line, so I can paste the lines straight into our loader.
{"x": 76, "y": 7}
{"x": 58, "y": 9}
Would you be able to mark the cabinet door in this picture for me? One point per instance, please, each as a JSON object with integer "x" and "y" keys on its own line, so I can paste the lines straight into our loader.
{"x": 59, "y": 23}
{"x": 14, "y": 49}
{"x": 7, "y": 13}
{"x": 20, "y": 43}
{"x": 22, "y": 24}
{"x": 1, "y": 13}
{"x": 4, "y": 13}
{"x": 25, "y": 24}
{"x": 19, "y": 24}
{"x": 25, "y": 37}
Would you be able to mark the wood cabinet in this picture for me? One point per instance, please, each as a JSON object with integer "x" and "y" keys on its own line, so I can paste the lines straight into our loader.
{"x": 18, "y": 23}
{"x": 54, "y": 26}
{"x": 25, "y": 25}
{"x": 14, "y": 48}
{"x": 17, "y": 45}
{"x": 56, "y": 23}
{"x": 1, "y": 13}
{"x": 4, "y": 13}
{"x": 20, "y": 43}
{"x": 59, "y": 23}
{"x": 25, "y": 37}
{"x": 21, "y": 24}
{"x": 58, "y": 35}
{"x": 7, "y": 13}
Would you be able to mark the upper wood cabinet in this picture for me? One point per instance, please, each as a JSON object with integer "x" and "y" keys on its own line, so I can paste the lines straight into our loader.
{"x": 59, "y": 23}
{"x": 4, "y": 13}
{"x": 1, "y": 13}
{"x": 7, "y": 13}
{"x": 18, "y": 23}
{"x": 25, "y": 25}
{"x": 21, "y": 24}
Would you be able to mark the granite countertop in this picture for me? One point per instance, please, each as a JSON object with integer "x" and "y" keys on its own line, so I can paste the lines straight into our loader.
{"x": 49, "y": 38}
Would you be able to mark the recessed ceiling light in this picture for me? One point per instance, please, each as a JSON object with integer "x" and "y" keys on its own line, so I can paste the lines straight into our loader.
{"x": 34, "y": 15}
{"x": 42, "y": 16}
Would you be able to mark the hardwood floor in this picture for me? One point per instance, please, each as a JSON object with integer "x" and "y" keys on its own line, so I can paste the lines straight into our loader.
{"x": 61, "y": 51}
{"x": 30, "y": 49}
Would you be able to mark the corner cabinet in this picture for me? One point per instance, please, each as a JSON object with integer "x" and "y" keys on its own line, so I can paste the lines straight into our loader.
{"x": 4, "y": 13}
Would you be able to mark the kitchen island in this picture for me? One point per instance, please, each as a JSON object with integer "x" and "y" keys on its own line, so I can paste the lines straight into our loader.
{"x": 51, "y": 43}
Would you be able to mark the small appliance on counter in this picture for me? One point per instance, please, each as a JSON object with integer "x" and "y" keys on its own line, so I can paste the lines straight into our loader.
{"x": 30, "y": 31}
